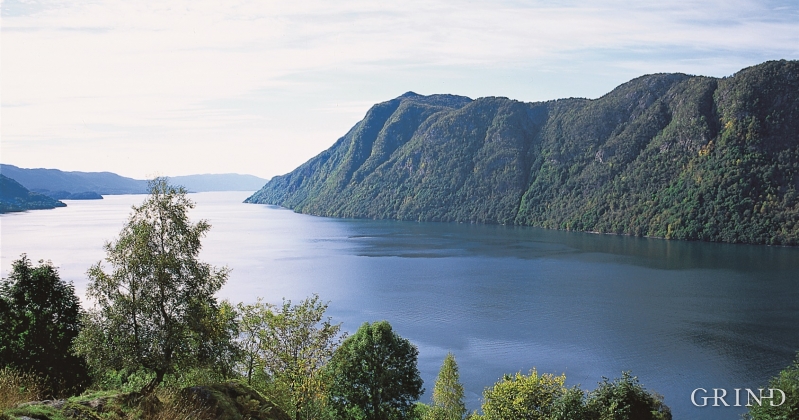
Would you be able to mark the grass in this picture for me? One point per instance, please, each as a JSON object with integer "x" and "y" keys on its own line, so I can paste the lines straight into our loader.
{"x": 17, "y": 387}
{"x": 164, "y": 404}
{"x": 39, "y": 412}
{"x": 233, "y": 400}
{"x": 175, "y": 408}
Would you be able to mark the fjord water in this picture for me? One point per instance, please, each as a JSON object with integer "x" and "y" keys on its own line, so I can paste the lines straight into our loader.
{"x": 679, "y": 315}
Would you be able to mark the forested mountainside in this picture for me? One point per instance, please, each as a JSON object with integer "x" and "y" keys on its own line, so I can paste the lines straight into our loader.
{"x": 664, "y": 155}
{"x": 15, "y": 197}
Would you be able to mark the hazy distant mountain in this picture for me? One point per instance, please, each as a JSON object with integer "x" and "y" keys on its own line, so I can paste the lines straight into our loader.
{"x": 15, "y": 197}
{"x": 664, "y": 155}
{"x": 219, "y": 182}
{"x": 66, "y": 195}
{"x": 87, "y": 185}
{"x": 74, "y": 182}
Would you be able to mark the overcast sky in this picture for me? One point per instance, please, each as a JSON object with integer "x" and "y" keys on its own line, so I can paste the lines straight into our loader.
{"x": 163, "y": 87}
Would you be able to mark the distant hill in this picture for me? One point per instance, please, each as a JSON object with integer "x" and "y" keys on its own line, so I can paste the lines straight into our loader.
{"x": 664, "y": 155}
{"x": 89, "y": 185}
{"x": 15, "y": 197}
{"x": 219, "y": 182}
{"x": 103, "y": 183}
{"x": 66, "y": 195}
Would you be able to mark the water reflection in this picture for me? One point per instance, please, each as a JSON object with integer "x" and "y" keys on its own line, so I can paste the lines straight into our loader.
{"x": 386, "y": 238}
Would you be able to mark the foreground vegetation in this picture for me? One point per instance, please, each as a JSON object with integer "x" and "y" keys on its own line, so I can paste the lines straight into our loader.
{"x": 157, "y": 344}
{"x": 665, "y": 155}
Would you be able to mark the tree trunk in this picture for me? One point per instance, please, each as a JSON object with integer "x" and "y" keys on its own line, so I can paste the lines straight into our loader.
{"x": 150, "y": 387}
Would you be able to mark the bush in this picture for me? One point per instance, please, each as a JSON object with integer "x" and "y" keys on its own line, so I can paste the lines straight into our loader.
{"x": 625, "y": 399}
{"x": 528, "y": 397}
{"x": 544, "y": 397}
{"x": 788, "y": 382}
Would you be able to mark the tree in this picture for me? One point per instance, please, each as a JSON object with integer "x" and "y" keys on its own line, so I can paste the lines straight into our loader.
{"x": 625, "y": 399}
{"x": 291, "y": 343}
{"x": 788, "y": 382}
{"x": 374, "y": 374}
{"x": 523, "y": 397}
{"x": 545, "y": 397}
{"x": 570, "y": 405}
{"x": 447, "y": 393}
{"x": 39, "y": 319}
{"x": 528, "y": 397}
{"x": 252, "y": 322}
{"x": 156, "y": 309}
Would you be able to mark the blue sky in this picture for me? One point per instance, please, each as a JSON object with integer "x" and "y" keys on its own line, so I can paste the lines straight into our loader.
{"x": 167, "y": 87}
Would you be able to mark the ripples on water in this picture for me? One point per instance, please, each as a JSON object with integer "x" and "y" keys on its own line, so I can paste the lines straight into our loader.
{"x": 504, "y": 299}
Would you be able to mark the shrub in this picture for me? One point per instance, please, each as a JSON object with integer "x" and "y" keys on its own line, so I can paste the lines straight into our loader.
{"x": 788, "y": 382}
{"x": 528, "y": 397}
{"x": 625, "y": 399}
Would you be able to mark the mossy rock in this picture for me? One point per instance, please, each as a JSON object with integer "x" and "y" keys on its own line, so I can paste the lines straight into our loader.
{"x": 234, "y": 401}
{"x": 56, "y": 410}
{"x": 79, "y": 412}
{"x": 37, "y": 410}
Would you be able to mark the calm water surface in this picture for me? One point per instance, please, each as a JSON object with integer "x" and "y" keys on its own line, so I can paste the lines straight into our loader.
{"x": 502, "y": 299}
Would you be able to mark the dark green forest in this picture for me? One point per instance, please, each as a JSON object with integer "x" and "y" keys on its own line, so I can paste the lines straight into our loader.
{"x": 665, "y": 155}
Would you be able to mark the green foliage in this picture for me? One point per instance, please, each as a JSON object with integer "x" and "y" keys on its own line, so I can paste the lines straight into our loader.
{"x": 788, "y": 382}
{"x": 252, "y": 322}
{"x": 570, "y": 405}
{"x": 44, "y": 412}
{"x": 625, "y": 399}
{"x": 290, "y": 345}
{"x": 664, "y": 155}
{"x": 122, "y": 380}
{"x": 156, "y": 309}
{"x": 419, "y": 411}
{"x": 523, "y": 397}
{"x": 447, "y": 393}
{"x": 373, "y": 375}
{"x": 39, "y": 320}
{"x": 545, "y": 397}
{"x": 225, "y": 400}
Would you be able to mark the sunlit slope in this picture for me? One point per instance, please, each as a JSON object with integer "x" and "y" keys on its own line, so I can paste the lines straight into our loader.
{"x": 665, "y": 155}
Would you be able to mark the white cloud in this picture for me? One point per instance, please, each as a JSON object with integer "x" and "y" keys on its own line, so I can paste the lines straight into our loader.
{"x": 143, "y": 82}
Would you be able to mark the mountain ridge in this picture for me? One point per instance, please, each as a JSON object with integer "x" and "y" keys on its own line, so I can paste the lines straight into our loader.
{"x": 76, "y": 184}
{"x": 663, "y": 155}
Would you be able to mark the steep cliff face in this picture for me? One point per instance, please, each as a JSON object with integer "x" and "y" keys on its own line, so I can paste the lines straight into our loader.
{"x": 665, "y": 155}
